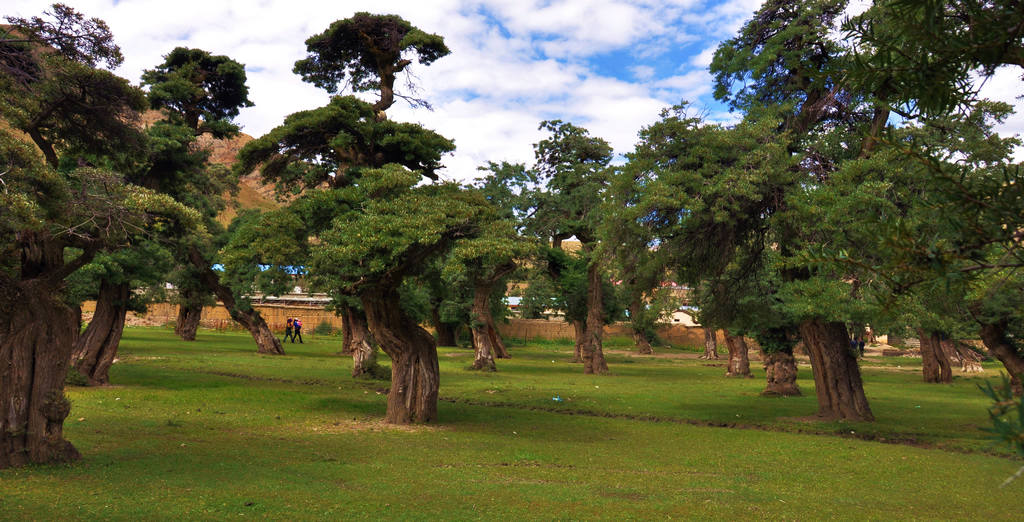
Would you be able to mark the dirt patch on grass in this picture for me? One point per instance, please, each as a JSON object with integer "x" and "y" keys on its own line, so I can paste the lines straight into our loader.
{"x": 361, "y": 425}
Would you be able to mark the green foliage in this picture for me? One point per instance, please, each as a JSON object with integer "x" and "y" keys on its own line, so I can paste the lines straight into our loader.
{"x": 922, "y": 55}
{"x": 1007, "y": 414}
{"x": 399, "y": 229}
{"x": 782, "y": 56}
{"x": 336, "y": 143}
{"x": 264, "y": 251}
{"x": 324, "y": 328}
{"x": 365, "y": 50}
{"x": 200, "y": 90}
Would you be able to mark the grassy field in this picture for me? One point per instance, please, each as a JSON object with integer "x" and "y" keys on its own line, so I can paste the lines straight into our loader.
{"x": 211, "y": 430}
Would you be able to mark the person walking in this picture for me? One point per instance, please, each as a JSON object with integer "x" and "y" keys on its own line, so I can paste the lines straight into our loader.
{"x": 288, "y": 331}
{"x": 297, "y": 324}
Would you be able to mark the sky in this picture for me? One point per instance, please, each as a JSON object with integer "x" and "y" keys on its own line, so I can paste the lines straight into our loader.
{"x": 610, "y": 66}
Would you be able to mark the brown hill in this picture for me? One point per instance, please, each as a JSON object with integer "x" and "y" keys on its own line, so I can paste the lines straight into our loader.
{"x": 251, "y": 192}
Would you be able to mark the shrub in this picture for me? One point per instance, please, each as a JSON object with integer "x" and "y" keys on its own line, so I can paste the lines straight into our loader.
{"x": 324, "y": 328}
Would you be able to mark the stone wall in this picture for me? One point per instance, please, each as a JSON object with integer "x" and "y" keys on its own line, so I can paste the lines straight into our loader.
{"x": 524, "y": 329}
{"x": 542, "y": 329}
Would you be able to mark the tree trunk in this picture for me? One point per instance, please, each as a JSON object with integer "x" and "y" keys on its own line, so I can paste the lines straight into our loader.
{"x": 483, "y": 345}
{"x": 347, "y": 340}
{"x": 969, "y": 360}
{"x": 36, "y": 339}
{"x": 266, "y": 341}
{"x": 934, "y": 362}
{"x": 593, "y": 352}
{"x": 739, "y": 359}
{"x": 636, "y": 309}
{"x": 837, "y": 381}
{"x": 445, "y": 331}
{"x": 446, "y": 334}
{"x": 500, "y": 350}
{"x": 994, "y": 337}
{"x": 579, "y": 330}
{"x": 780, "y": 372}
{"x": 96, "y": 348}
{"x": 364, "y": 353}
{"x": 415, "y": 376}
{"x": 188, "y": 321}
{"x": 710, "y": 344}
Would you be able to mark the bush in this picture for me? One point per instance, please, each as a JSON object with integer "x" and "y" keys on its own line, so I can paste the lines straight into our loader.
{"x": 324, "y": 328}
{"x": 74, "y": 378}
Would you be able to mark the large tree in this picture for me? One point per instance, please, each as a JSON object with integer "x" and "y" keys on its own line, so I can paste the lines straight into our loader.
{"x": 707, "y": 195}
{"x": 369, "y": 253}
{"x": 200, "y": 93}
{"x": 786, "y": 62}
{"x": 366, "y": 52}
{"x": 56, "y": 223}
{"x": 924, "y": 55}
{"x": 323, "y": 153}
{"x": 572, "y": 168}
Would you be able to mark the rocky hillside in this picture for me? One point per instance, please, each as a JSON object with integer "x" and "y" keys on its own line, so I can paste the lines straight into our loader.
{"x": 251, "y": 192}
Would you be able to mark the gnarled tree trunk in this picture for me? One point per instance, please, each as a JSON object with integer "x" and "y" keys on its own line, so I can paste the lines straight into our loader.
{"x": 969, "y": 360}
{"x": 780, "y": 373}
{"x": 500, "y": 350}
{"x": 96, "y": 348}
{"x": 739, "y": 358}
{"x": 188, "y": 321}
{"x": 994, "y": 337}
{"x": 592, "y": 351}
{"x": 837, "y": 379}
{"x": 445, "y": 331}
{"x": 347, "y": 348}
{"x": 486, "y": 342}
{"x": 37, "y": 333}
{"x": 266, "y": 341}
{"x": 579, "y": 331}
{"x": 710, "y": 344}
{"x": 483, "y": 347}
{"x": 636, "y": 308}
{"x": 934, "y": 362}
{"x": 364, "y": 353}
{"x": 415, "y": 376}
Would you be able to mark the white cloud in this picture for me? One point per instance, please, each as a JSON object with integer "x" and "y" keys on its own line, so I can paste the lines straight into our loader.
{"x": 513, "y": 63}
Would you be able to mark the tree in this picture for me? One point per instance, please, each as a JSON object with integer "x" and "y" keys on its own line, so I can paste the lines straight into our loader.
{"x": 923, "y": 55}
{"x": 366, "y": 52}
{"x": 980, "y": 241}
{"x": 640, "y": 266}
{"x": 369, "y": 253}
{"x": 572, "y": 166}
{"x": 706, "y": 195}
{"x": 201, "y": 93}
{"x": 484, "y": 264}
{"x": 115, "y": 277}
{"x": 57, "y": 222}
{"x": 69, "y": 34}
{"x": 325, "y": 153}
{"x": 204, "y": 91}
{"x": 783, "y": 62}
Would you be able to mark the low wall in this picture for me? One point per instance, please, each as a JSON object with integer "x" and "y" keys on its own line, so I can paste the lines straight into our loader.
{"x": 527, "y": 329}
{"x": 542, "y": 329}
{"x": 217, "y": 316}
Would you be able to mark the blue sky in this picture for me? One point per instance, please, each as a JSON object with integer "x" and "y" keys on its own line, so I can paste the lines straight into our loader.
{"x": 607, "y": 65}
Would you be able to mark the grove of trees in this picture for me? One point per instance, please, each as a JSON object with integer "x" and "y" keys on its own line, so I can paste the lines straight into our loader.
{"x": 863, "y": 184}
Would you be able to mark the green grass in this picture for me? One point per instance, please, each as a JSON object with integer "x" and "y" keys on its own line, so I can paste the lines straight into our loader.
{"x": 211, "y": 430}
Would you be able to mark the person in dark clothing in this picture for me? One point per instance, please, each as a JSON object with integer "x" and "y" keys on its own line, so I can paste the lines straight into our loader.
{"x": 288, "y": 331}
{"x": 298, "y": 330}
{"x": 860, "y": 345}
